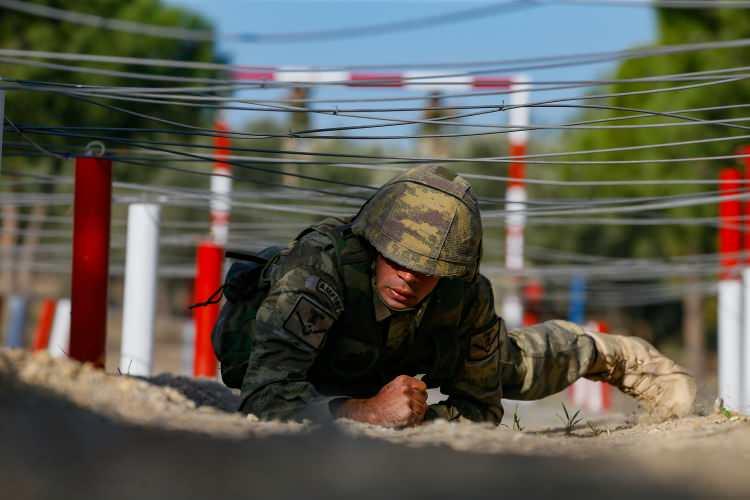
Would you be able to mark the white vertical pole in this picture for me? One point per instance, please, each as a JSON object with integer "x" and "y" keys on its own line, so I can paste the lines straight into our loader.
{"x": 187, "y": 354}
{"x": 730, "y": 330}
{"x": 59, "y": 340}
{"x": 730, "y": 291}
{"x": 745, "y": 348}
{"x": 139, "y": 305}
{"x": 515, "y": 203}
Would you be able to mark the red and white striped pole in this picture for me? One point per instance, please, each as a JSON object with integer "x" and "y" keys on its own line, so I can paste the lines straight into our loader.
{"x": 210, "y": 256}
{"x": 91, "y": 223}
{"x": 515, "y": 199}
{"x": 745, "y": 359}
{"x": 730, "y": 292}
{"x": 588, "y": 395}
{"x": 221, "y": 186}
{"x": 413, "y": 80}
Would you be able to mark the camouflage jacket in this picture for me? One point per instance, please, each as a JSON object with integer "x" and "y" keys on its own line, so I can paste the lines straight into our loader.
{"x": 321, "y": 334}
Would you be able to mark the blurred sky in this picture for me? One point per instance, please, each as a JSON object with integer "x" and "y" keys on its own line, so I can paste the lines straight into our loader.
{"x": 537, "y": 31}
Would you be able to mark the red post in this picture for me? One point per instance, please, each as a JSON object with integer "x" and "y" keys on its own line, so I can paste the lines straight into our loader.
{"x": 606, "y": 388}
{"x": 533, "y": 293}
{"x": 590, "y": 396}
{"x": 730, "y": 236}
{"x": 745, "y": 150}
{"x": 91, "y": 222}
{"x": 44, "y": 325}
{"x": 209, "y": 262}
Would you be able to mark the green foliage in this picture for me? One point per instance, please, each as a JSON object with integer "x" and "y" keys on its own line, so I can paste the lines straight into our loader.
{"x": 570, "y": 421}
{"x": 21, "y": 31}
{"x": 660, "y": 241}
{"x": 663, "y": 241}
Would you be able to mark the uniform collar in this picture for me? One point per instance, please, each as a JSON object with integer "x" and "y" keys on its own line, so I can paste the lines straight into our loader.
{"x": 382, "y": 312}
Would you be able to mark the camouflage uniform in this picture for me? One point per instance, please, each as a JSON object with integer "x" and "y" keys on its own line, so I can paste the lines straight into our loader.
{"x": 321, "y": 332}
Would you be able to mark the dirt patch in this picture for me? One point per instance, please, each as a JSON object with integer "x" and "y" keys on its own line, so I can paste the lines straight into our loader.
{"x": 60, "y": 415}
{"x": 165, "y": 401}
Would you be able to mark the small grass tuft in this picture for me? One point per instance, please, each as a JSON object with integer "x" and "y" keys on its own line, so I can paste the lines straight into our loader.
{"x": 570, "y": 421}
{"x": 517, "y": 421}
{"x": 594, "y": 429}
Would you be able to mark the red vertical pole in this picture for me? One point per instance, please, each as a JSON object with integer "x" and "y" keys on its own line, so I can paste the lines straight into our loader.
{"x": 533, "y": 292}
{"x": 604, "y": 387}
{"x": 44, "y": 325}
{"x": 209, "y": 261}
{"x": 745, "y": 150}
{"x": 730, "y": 237}
{"x": 91, "y": 221}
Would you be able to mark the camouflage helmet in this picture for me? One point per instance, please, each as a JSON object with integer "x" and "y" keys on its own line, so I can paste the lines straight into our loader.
{"x": 427, "y": 220}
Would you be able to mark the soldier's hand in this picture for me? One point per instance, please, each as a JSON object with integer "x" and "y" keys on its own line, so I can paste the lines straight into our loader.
{"x": 402, "y": 402}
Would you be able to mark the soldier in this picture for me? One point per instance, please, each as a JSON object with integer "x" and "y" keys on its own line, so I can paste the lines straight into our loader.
{"x": 339, "y": 323}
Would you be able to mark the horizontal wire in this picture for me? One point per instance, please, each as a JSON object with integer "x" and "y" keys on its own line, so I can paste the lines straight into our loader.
{"x": 177, "y": 33}
{"x": 467, "y": 175}
{"x": 142, "y": 144}
{"x": 309, "y": 134}
{"x": 576, "y": 58}
{"x": 234, "y": 84}
{"x": 546, "y": 207}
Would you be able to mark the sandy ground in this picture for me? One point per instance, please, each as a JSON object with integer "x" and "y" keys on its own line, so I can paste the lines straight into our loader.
{"x": 70, "y": 431}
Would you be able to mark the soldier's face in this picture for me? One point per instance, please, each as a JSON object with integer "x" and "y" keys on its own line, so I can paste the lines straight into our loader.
{"x": 400, "y": 288}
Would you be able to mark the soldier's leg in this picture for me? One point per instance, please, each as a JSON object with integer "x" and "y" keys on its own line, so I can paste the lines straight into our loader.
{"x": 544, "y": 359}
{"x": 635, "y": 367}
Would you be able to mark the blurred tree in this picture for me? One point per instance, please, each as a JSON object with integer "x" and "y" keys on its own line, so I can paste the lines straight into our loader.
{"x": 675, "y": 27}
{"x": 44, "y": 108}
{"x": 26, "y": 32}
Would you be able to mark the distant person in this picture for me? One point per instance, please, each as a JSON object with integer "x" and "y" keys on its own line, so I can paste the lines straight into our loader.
{"x": 340, "y": 322}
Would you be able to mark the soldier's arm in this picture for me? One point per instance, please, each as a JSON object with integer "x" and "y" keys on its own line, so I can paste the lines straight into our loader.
{"x": 291, "y": 326}
{"x": 476, "y": 390}
{"x": 543, "y": 359}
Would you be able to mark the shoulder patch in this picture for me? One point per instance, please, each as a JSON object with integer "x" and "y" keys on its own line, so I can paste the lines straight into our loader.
{"x": 333, "y": 296}
{"x": 311, "y": 282}
{"x": 309, "y": 321}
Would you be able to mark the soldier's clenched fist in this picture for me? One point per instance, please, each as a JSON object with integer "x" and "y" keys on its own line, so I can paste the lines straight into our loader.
{"x": 402, "y": 402}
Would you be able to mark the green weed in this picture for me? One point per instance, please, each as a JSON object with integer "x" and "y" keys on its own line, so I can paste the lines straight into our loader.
{"x": 516, "y": 421}
{"x": 570, "y": 421}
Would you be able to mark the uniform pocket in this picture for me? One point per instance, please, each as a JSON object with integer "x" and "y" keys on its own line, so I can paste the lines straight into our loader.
{"x": 485, "y": 343}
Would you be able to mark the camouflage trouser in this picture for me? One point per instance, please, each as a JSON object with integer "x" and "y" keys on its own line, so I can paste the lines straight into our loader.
{"x": 536, "y": 361}
{"x": 544, "y": 359}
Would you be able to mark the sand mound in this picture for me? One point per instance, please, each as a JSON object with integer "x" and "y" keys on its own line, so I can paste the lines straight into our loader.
{"x": 53, "y": 409}
{"x": 164, "y": 401}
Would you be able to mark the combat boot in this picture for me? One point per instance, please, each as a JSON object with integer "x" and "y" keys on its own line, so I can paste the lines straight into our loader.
{"x": 635, "y": 367}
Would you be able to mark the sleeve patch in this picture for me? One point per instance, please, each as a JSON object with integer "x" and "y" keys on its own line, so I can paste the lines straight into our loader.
{"x": 309, "y": 321}
{"x": 330, "y": 292}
